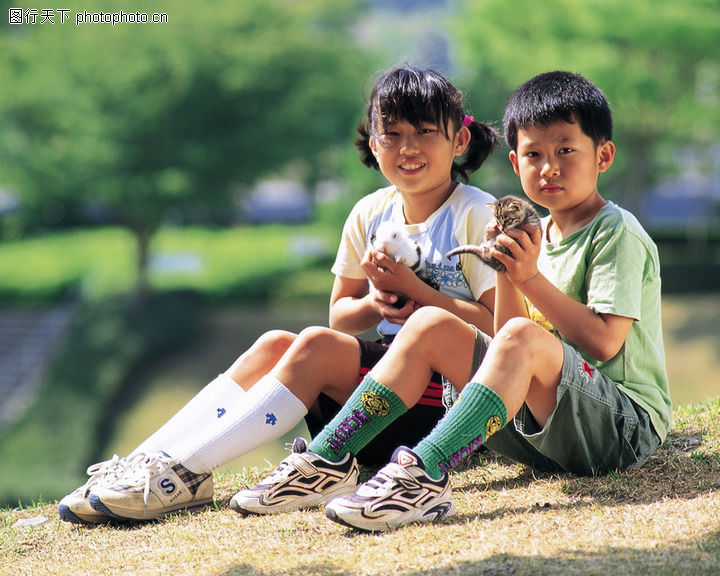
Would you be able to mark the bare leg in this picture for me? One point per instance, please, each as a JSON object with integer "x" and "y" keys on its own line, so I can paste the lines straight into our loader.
{"x": 523, "y": 365}
{"x": 261, "y": 357}
{"x": 432, "y": 340}
{"x": 257, "y": 361}
{"x": 320, "y": 360}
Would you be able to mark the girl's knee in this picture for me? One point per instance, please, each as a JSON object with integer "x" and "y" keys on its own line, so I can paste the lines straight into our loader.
{"x": 275, "y": 342}
{"x": 429, "y": 319}
{"x": 316, "y": 338}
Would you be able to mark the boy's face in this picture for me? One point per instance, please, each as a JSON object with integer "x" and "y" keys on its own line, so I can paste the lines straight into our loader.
{"x": 559, "y": 165}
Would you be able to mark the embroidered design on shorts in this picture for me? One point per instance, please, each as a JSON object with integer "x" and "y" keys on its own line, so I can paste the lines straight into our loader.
{"x": 586, "y": 371}
{"x": 375, "y": 404}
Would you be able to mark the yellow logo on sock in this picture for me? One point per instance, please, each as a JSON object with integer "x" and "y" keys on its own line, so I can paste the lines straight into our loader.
{"x": 375, "y": 404}
{"x": 493, "y": 425}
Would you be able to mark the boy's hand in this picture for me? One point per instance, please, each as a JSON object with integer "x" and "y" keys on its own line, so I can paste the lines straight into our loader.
{"x": 524, "y": 245}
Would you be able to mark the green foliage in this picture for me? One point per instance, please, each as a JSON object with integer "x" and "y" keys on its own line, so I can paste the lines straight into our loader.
{"x": 655, "y": 60}
{"x": 147, "y": 117}
{"x": 87, "y": 386}
{"x": 227, "y": 263}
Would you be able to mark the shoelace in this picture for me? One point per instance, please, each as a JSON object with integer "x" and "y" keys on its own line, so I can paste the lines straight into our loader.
{"x": 112, "y": 469}
{"x": 100, "y": 470}
{"x": 281, "y": 471}
{"x": 387, "y": 477}
{"x": 154, "y": 464}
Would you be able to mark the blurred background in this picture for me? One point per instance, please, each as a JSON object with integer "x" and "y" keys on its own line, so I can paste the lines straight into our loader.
{"x": 170, "y": 190}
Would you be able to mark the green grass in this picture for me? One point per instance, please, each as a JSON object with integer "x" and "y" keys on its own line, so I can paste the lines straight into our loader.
{"x": 103, "y": 260}
{"x": 658, "y": 519}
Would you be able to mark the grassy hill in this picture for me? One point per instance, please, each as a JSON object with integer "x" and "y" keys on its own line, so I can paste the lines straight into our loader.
{"x": 660, "y": 519}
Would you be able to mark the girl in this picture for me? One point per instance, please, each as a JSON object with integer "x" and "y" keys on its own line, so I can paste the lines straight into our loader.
{"x": 418, "y": 135}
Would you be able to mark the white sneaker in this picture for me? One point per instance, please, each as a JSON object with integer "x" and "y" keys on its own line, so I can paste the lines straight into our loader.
{"x": 153, "y": 487}
{"x": 75, "y": 507}
{"x": 400, "y": 493}
{"x": 302, "y": 480}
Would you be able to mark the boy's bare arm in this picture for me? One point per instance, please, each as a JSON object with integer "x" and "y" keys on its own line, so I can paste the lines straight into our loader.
{"x": 509, "y": 301}
{"x": 600, "y": 335}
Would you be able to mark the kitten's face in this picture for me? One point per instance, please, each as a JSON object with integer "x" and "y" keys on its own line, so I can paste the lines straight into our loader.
{"x": 509, "y": 212}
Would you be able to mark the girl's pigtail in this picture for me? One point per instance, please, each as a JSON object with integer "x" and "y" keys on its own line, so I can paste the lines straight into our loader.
{"x": 363, "y": 146}
{"x": 483, "y": 141}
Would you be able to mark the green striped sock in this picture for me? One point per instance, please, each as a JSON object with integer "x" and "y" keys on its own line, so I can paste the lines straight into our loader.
{"x": 478, "y": 413}
{"x": 370, "y": 409}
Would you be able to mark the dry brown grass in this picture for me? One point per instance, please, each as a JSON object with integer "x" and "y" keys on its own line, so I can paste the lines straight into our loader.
{"x": 661, "y": 519}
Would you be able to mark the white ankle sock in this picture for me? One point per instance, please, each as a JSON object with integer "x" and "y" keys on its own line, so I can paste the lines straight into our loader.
{"x": 205, "y": 407}
{"x": 267, "y": 411}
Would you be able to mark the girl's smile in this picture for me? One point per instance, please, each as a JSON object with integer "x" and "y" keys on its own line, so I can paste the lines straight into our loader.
{"x": 418, "y": 160}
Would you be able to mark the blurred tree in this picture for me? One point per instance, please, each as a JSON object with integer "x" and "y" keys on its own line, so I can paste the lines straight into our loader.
{"x": 145, "y": 117}
{"x": 656, "y": 60}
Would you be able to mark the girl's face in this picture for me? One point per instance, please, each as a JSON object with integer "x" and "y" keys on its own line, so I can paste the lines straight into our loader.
{"x": 418, "y": 161}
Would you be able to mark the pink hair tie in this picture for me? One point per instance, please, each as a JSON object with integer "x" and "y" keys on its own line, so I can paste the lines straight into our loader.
{"x": 467, "y": 120}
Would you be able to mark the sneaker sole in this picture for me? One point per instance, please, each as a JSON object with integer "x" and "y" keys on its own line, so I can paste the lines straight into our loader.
{"x": 437, "y": 512}
{"x": 302, "y": 503}
{"x": 67, "y": 515}
{"x": 98, "y": 505}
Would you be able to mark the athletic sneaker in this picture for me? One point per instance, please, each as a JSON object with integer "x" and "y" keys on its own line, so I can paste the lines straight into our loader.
{"x": 152, "y": 488}
{"x": 400, "y": 493}
{"x": 75, "y": 507}
{"x": 302, "y": 480}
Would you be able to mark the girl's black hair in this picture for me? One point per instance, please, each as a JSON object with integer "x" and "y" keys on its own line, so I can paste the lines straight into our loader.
{"x": 418, "y": 95}
{"x": 558, "y": 96}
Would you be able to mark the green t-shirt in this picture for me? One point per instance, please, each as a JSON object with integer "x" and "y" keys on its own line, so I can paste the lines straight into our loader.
{"x": 612, "y": 265}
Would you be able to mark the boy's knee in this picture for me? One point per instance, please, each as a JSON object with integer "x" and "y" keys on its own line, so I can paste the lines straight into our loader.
{"x": 518, "y": 331}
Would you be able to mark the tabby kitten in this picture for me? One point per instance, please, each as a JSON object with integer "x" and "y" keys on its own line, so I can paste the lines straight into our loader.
{"x": 510, "y": 212}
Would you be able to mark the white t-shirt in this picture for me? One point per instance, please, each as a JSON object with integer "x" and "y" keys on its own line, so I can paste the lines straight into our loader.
{"x": 460, "y": 220}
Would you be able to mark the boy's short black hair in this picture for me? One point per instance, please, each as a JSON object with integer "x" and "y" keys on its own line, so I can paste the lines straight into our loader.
{"x": 558, "y": 96}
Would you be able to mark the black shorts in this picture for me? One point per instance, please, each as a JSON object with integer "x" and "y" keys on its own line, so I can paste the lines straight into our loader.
{"x": 407, "y": 430}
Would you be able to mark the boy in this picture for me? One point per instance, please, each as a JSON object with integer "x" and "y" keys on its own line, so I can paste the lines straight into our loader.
{"x": 575, "y": 377}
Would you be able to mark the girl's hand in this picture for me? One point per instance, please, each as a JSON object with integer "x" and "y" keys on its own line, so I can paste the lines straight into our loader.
{"x": 388, "y": 275}
{"x": 390, "y": 280}
{"x": 386, "y": 305}
{"x": 524, "y": 245}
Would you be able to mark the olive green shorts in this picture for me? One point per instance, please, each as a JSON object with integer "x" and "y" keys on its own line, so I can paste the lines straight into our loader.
{"x": 595, "y": 427}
